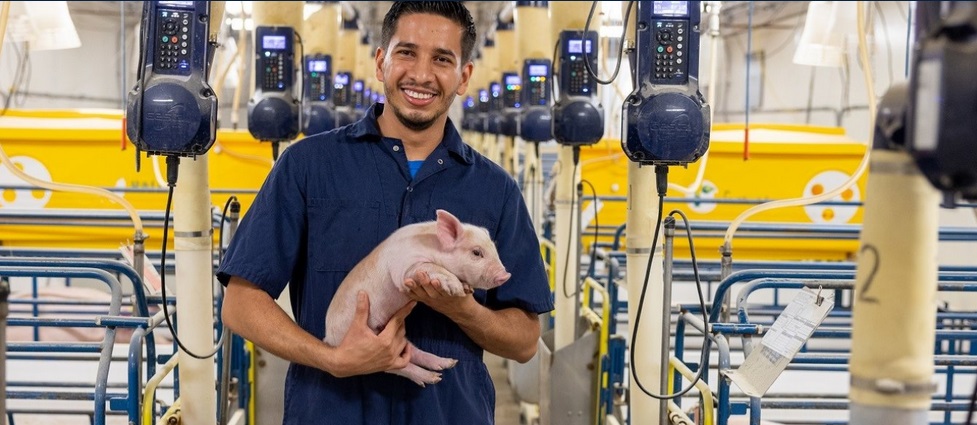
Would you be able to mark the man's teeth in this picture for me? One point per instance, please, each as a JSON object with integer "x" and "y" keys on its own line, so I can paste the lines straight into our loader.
{"x": 417, "y": 95}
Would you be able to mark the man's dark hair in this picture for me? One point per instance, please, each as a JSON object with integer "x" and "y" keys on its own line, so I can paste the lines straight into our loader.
{"x": 453, "y": 10}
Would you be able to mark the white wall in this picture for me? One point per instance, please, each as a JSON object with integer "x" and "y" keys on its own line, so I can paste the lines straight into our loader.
{"x": 788, "y": 86}
{"x": 85, "y": 77}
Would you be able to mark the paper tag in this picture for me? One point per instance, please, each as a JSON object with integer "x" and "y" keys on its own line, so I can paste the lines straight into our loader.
{"x": 782, "y": 342}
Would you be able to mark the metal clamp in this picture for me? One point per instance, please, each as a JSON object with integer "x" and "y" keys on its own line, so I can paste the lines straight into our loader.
{"x": 887, "y": 386}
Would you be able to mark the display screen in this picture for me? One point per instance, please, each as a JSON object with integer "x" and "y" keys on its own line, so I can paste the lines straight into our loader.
{"x": 469, "y": 102}
{"x": 671, "y": 8}
{"x": 577, "y": 46}
{"x": 496, "y": 89}
{"x": 176, "y": 3}
{"x": 483, "y": 95}
{"x": 318, "y": 66}
{"x": 341, "y": 79}
{"x": 513, "y": 80}
{"x": 358, "y": 86}
{"x": 538, "y": 70}
{"x": 273, "y": 42}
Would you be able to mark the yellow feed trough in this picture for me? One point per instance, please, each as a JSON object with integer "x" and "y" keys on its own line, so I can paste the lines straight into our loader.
{"x": 88, "y": 148}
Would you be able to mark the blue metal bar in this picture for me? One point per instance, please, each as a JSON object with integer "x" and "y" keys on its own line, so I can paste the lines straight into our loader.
{"x": 120, "y": 321}
{"x": 135, "y": 376}
{"x": 61, "y": 384}
{"x": 46, "y": 395}
{"x": 141, "y": 306}
{"x": 105, "y": 348}
{"x": 799, "y": 231}
{"x": 63, "y": 357}
{"x": 737, "y": 328}
{"x": 53, "y": 301}
{"x": 54, "y": 347}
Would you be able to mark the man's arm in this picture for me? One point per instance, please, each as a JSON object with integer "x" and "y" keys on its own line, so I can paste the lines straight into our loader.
{"x": 250, "y": 312}
{"x": 511, "y": 333}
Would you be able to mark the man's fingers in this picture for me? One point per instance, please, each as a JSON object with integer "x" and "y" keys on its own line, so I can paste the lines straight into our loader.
{"x": 433, "y": 288}
{"x": 403, "y": 360}
{"x": 362, "y": 307}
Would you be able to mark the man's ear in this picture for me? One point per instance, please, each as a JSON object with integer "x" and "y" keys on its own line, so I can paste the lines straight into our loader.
{"x": 466, "y": 74}
{"x": 379, "y": 57}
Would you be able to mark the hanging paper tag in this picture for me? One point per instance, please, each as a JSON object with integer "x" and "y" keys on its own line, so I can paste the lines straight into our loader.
{"x": 782, "y": 341}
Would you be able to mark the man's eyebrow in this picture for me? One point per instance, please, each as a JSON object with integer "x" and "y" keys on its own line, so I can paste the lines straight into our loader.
{"x": 445, "y": 52}
{"x": 406, "y": 44}
{"x": 437, "y": 50}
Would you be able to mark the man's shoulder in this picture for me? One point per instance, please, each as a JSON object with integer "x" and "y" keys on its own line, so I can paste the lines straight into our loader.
{"x": 330, "y": 143}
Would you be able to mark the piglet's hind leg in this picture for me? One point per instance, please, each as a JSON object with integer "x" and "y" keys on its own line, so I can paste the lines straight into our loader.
{"x": 419, "y": 375}
{"x": 430, "y": 361}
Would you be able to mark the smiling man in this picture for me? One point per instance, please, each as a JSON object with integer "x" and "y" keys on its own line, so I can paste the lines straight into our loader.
{"x": 332, "y": 198}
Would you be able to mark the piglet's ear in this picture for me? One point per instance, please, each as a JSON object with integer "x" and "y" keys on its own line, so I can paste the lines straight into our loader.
{"x": 449, "y": 229}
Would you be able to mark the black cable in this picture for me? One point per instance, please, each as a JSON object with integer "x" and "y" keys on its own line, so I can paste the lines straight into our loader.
{"x": 593, "y": 248}
{"x": 220, "y": 237}
{"x": 563, "y": 284}
{"x": 620, "y": 56}
{"x": 21, "y": 71}
{"x": 971, "y": 405}
{"x": 172, "y": 170}
{"x": 661, "y": 174}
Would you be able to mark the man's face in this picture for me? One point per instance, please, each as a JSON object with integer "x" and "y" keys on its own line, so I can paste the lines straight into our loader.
{"x": 421, "y": 69}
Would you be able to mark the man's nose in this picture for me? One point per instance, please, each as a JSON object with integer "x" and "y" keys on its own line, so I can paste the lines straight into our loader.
{"x": 422, "y": 71}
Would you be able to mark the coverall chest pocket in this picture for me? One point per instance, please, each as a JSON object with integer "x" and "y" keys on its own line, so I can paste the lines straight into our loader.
{"x": 342, "y": 232}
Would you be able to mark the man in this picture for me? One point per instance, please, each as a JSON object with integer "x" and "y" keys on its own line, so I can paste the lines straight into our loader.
{"x": 333, "y": 197}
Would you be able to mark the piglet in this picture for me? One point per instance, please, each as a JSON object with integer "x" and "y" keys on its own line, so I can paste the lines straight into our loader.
{"x": 460, "y": 256}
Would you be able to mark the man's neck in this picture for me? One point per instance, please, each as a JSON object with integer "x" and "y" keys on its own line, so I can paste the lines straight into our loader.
{"x": 417, "y": 144}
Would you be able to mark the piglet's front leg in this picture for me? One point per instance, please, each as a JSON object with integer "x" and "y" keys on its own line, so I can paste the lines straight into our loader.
{"x": 449, "y": 282}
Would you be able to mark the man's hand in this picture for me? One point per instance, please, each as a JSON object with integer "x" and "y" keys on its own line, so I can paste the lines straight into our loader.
{"x": 429, "y": 291}
{"x": 362, "y": 351}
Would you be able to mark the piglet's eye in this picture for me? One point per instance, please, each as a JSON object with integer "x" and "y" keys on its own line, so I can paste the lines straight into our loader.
{"x": 477, "y": 252}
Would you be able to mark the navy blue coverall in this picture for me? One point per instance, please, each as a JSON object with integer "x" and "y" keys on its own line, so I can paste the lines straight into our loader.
{"x": 328, "y": 201}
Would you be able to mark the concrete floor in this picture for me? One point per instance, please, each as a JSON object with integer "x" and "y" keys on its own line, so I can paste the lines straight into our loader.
{"x": 506, "y": 406}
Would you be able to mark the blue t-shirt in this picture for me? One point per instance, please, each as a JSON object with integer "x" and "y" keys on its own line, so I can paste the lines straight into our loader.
{"x": 414, "y": 167}
{"x": 346, "y": 190}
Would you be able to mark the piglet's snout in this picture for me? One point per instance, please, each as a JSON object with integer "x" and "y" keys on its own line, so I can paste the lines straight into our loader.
{"x": 502, "y": 278}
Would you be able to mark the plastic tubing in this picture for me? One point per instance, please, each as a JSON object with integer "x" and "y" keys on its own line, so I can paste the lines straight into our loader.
{"x": 870, "y": 86}
{"x": 4, "y": 15}
{"x": 136, "y": 220}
